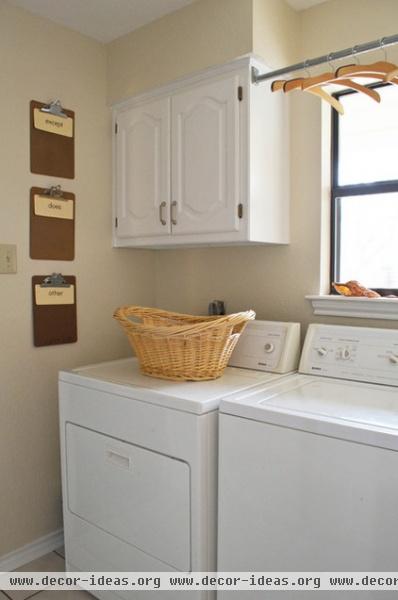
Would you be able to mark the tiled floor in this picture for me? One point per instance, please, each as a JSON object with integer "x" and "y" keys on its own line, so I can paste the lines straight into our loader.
{"x": 51, "y": 562}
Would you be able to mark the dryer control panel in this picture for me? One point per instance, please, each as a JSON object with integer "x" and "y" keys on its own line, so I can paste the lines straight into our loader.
{"x": 268, "y": 346}
{"x": 357, "y": 353}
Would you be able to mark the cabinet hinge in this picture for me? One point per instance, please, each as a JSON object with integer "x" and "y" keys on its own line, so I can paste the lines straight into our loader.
{"x": 116, "y": 222}
{"x": 240, "y": 93}
{"x": 116, "y": 127}
{"x": 240, "y": 211}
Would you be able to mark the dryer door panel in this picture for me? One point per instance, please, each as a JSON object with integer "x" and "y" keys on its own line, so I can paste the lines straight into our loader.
{"x": 137, "y": 495}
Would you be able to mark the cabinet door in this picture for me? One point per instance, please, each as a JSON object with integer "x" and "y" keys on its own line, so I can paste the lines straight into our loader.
{"x": 143, "y": 170}
{"x": 206, "y": 158}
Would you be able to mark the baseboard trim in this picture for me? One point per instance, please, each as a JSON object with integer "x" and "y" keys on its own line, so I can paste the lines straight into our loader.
{"x": 31, "y": 551}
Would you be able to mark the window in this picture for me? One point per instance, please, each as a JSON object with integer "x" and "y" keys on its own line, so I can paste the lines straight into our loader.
{"x": 365, "y": 190}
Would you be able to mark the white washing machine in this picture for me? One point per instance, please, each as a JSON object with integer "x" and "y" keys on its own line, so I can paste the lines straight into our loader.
{"x": 309, "y": 464}
{"x": 139, "y": 460}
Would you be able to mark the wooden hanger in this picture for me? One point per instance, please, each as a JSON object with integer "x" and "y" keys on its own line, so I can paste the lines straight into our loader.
{"x": 381, "y": 67}
{"x": 293, "y": 84}
{"x": 330, "y": 78}
{"x": 323, "y": 78}
{"x": 392, "y": 74}
{"x": 377, "y": 76}
{"x": 277, "y": 85}
{"x": 378, "y": 68}
{"x": 326, "y": 78}
{"x": 297, "y": 84}
{"x": 381, "y": 70}
{"x": 319, "y": 91}
{"x": 359, "y": 88}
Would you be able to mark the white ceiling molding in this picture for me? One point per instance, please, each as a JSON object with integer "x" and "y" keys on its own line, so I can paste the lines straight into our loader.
{"x": 103, "y": 20}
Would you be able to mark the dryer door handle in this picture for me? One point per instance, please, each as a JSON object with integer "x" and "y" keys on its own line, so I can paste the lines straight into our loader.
{"x": 120, "y": 460}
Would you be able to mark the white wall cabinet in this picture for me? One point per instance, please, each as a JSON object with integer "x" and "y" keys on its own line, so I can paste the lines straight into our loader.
{"x": 204, "y": 161}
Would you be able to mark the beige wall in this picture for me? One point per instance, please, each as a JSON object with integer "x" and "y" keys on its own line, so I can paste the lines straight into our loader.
{"x": 203, "y": 34}
{"x": 207, "y": 32}
{"x": 338, "y": 24}
{"x": 43, "y": 61}
{"x": 275, "y": 32}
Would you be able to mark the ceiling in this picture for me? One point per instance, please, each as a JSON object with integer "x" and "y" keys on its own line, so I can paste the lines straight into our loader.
{"x": 303, "y": 4}
{"x": 104, "y": 20}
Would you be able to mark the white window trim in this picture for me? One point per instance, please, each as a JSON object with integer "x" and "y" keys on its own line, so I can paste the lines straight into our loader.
{"x": 362, "y": 308}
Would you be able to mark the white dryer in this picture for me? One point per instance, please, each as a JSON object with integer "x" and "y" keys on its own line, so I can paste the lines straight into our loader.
{"x": 309, "y": 464}
{"x": 139, "y": 460}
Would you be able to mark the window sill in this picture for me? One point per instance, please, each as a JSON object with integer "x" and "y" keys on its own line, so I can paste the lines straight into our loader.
{"x": 362, "y": 308}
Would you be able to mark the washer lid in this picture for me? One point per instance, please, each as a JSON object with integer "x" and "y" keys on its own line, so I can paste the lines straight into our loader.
{"x": 123, "y": 377}
{"x": 366, "y": 413}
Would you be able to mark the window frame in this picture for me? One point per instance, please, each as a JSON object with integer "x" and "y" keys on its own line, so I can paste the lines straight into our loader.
{"x": 339, "y": 191}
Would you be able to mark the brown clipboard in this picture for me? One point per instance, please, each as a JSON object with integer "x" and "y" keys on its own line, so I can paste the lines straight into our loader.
{"x": 54, "y": 323}
{"x": 51, "y": 238}
{"x": 50, "y": 153}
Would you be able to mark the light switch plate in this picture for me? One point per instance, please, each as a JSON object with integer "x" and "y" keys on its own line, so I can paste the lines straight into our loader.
{"x": 8, "y": 258}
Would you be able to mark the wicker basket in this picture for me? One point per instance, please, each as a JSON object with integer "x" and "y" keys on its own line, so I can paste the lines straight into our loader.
{"x": 181, "y": 347}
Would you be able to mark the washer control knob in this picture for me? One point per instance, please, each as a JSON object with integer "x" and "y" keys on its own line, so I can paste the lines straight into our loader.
{"x": 269, "y": 347}
{"x": 394, "y": 359}
{"x": 345, "y": 353}
{"x": 322, "y": 351}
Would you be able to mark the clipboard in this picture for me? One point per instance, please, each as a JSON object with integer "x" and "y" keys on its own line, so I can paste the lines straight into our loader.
{"x": 52, "y": 140}
{"x": 52, "y": 224}
{"x": 54, "y": 309}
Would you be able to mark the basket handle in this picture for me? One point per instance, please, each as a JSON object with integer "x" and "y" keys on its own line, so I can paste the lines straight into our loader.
{"x": 141, "y": 311}
{"x": 232, "y": 319}
{"x": 122, "y": 313}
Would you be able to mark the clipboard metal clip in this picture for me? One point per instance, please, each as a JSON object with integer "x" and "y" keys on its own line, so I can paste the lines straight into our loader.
{"x": 55, "y": 108}
{"x": 54, "y": 191}
{"x": 55, "y": 280}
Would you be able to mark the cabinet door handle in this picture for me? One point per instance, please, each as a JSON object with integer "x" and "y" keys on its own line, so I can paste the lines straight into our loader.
{"x": 174, "y": 213}
{"x": 162, "y": 206}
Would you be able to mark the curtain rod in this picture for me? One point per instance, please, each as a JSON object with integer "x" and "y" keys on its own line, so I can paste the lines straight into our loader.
{"x": 326, "y": 58}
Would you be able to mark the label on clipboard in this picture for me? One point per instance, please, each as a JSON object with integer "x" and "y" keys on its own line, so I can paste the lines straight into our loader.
{"x": 54, "y": 295}
{"x": 48, "y": 206}
{"x": 52, "y": 123}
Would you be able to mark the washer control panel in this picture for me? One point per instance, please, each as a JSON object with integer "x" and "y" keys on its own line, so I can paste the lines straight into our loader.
{"x": 268, "y": 346}
{"x": 358, "y": 353}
